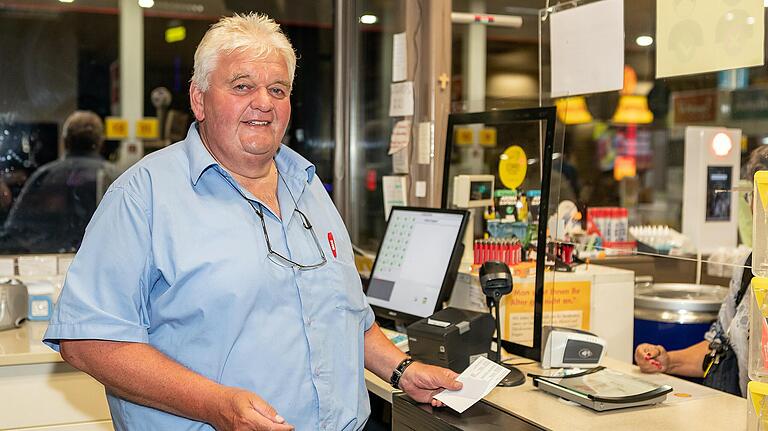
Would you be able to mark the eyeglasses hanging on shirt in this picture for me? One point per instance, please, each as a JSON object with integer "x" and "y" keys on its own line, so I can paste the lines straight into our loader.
{"x": 272, "y": 255}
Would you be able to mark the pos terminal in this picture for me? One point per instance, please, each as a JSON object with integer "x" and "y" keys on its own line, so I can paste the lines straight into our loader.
{"x": 417, "y": 263}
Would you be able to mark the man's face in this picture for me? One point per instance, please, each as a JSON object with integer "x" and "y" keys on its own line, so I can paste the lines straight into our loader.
{"x": 244, "y": 112}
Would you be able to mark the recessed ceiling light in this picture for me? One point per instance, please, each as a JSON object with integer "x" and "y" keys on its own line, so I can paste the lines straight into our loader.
{"x": 146, "y": 3}
{"x": 644, "y": 40}
{"x": 369, "y": 19}
{"x": 70, "y": 1}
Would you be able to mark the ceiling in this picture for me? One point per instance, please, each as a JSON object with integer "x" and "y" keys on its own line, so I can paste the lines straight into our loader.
{"x": 309, "y": 12}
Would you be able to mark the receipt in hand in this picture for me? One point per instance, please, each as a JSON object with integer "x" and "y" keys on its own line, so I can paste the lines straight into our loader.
{"x": 478, "y": 380}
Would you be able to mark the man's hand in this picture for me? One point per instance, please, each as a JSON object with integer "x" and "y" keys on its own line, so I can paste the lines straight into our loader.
{"x": 652, "y": 358}
{"x": 243, "y": 410}
{"x": 422, "y": 382}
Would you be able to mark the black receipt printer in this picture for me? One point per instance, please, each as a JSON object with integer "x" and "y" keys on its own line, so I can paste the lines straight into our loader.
{"x": 451, "y": 337}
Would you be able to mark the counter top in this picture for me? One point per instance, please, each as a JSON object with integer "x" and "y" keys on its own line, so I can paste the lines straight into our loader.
{"x": 689, "y": 406}
{"x": 23, "y": 345}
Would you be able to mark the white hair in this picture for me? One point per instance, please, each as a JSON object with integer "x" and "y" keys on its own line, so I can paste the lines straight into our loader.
{"x": 253, "y": 32}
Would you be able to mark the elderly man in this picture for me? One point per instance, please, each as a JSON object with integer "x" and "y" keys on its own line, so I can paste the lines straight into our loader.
{"x": 207, "y": 292}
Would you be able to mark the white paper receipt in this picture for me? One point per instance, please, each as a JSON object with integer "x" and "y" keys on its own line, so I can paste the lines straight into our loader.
{"x": 478, "y": 380}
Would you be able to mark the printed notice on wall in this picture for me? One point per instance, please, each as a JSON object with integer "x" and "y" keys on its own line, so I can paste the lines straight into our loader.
{"x": 706, "y": 36}
{"x": 401, "y": 99}
{"x": 424, "y": 154}
{"x": 566, "y": 304}
{"x": 399, "y": 57}
{"x": 400, "y": 162}
{"x": 394, "y": 191}
{"x": 401, "y": 136}
{"x": 587, "y": 48}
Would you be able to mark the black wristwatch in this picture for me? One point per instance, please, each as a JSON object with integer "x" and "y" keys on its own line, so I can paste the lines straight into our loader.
{"x": 398, "y": 372}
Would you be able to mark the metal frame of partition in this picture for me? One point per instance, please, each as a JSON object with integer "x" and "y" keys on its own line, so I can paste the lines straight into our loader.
{"x": 345, "y": 57}
{"x": 547, "y": 114}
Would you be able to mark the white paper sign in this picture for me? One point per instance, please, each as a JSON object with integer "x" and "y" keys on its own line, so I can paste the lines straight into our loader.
{"x": 708, "y": 36}
{"x": 400, "y": 162}
{"x": 587, "y": 48}
{"x": 394, "y": 191}
{"x": 424, "y": 154}
{"x": 401, "y": 136}
{"x": 401, "y": 99}
{"x": 478, "y": 379}
{"x": 399, "y": 57}
{"x": 421, "y": 189}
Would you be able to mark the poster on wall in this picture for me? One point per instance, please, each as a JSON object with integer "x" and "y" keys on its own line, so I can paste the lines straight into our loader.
{"x": 566, "y": 304}
{"x": 587, "y": 48}
{"x": 697, "y": 36}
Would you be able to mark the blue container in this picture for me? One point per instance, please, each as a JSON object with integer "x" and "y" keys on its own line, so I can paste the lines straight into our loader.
{"x": 675, "y": 315}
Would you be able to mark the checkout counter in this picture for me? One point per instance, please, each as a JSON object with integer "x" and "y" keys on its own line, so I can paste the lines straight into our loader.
{"x": 689, "y": 406}
{"x": 47, "y": 394}
{"x": 599, "y": 299}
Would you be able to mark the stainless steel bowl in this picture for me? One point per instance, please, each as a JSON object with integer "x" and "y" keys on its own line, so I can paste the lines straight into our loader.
{"x": 679, "y": 302}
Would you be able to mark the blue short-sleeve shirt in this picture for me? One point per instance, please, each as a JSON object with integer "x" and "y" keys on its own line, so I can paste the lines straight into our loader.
{"x": 175, "y": 257}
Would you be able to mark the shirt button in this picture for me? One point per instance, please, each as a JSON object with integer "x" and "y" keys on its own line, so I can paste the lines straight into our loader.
{"x": 317, "y": 372}
{"x": 308, "y": 322}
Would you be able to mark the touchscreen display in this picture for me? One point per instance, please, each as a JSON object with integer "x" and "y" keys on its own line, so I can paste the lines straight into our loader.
{"x": 413, "y": 261}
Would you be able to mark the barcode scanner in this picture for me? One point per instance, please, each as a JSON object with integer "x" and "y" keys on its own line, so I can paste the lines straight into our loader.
{"x": 496, "y": 281}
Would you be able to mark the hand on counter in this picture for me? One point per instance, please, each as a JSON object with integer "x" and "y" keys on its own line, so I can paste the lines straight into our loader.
{"x": 244, "y": 410}
{"x": 422, "y": 382}
{"x": 652, "y": 358}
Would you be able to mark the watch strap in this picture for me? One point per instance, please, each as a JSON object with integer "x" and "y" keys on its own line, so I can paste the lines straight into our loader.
{"x": 397, "y": 373}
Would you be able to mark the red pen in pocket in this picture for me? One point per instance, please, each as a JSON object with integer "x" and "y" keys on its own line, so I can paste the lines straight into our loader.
{"x": 332, "y": 243}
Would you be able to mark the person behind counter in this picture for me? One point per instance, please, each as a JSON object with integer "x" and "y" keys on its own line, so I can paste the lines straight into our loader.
{"x": 59, "y": 199}
{"x": 721, "y": 358}
{"x": 207, "y": 292}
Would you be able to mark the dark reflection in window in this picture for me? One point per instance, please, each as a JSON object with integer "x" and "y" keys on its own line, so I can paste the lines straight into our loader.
{"x": 64, "y": 59}
{"x": 57, "y": 201}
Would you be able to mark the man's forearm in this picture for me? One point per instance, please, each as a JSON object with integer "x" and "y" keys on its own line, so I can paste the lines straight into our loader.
{"x": 381, "y": 356}
{"x": 141, "y": 374}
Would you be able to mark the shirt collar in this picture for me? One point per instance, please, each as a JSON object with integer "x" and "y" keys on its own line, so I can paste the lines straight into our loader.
{"x": 289, "y": 162}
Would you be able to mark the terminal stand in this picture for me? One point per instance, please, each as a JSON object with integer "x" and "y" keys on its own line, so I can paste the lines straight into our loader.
{"x": 515, "y": 376}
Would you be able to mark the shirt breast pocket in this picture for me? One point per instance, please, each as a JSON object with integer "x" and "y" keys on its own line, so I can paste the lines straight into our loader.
{"x": 351, "y": 312}
{"x": 348, "y": 289}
